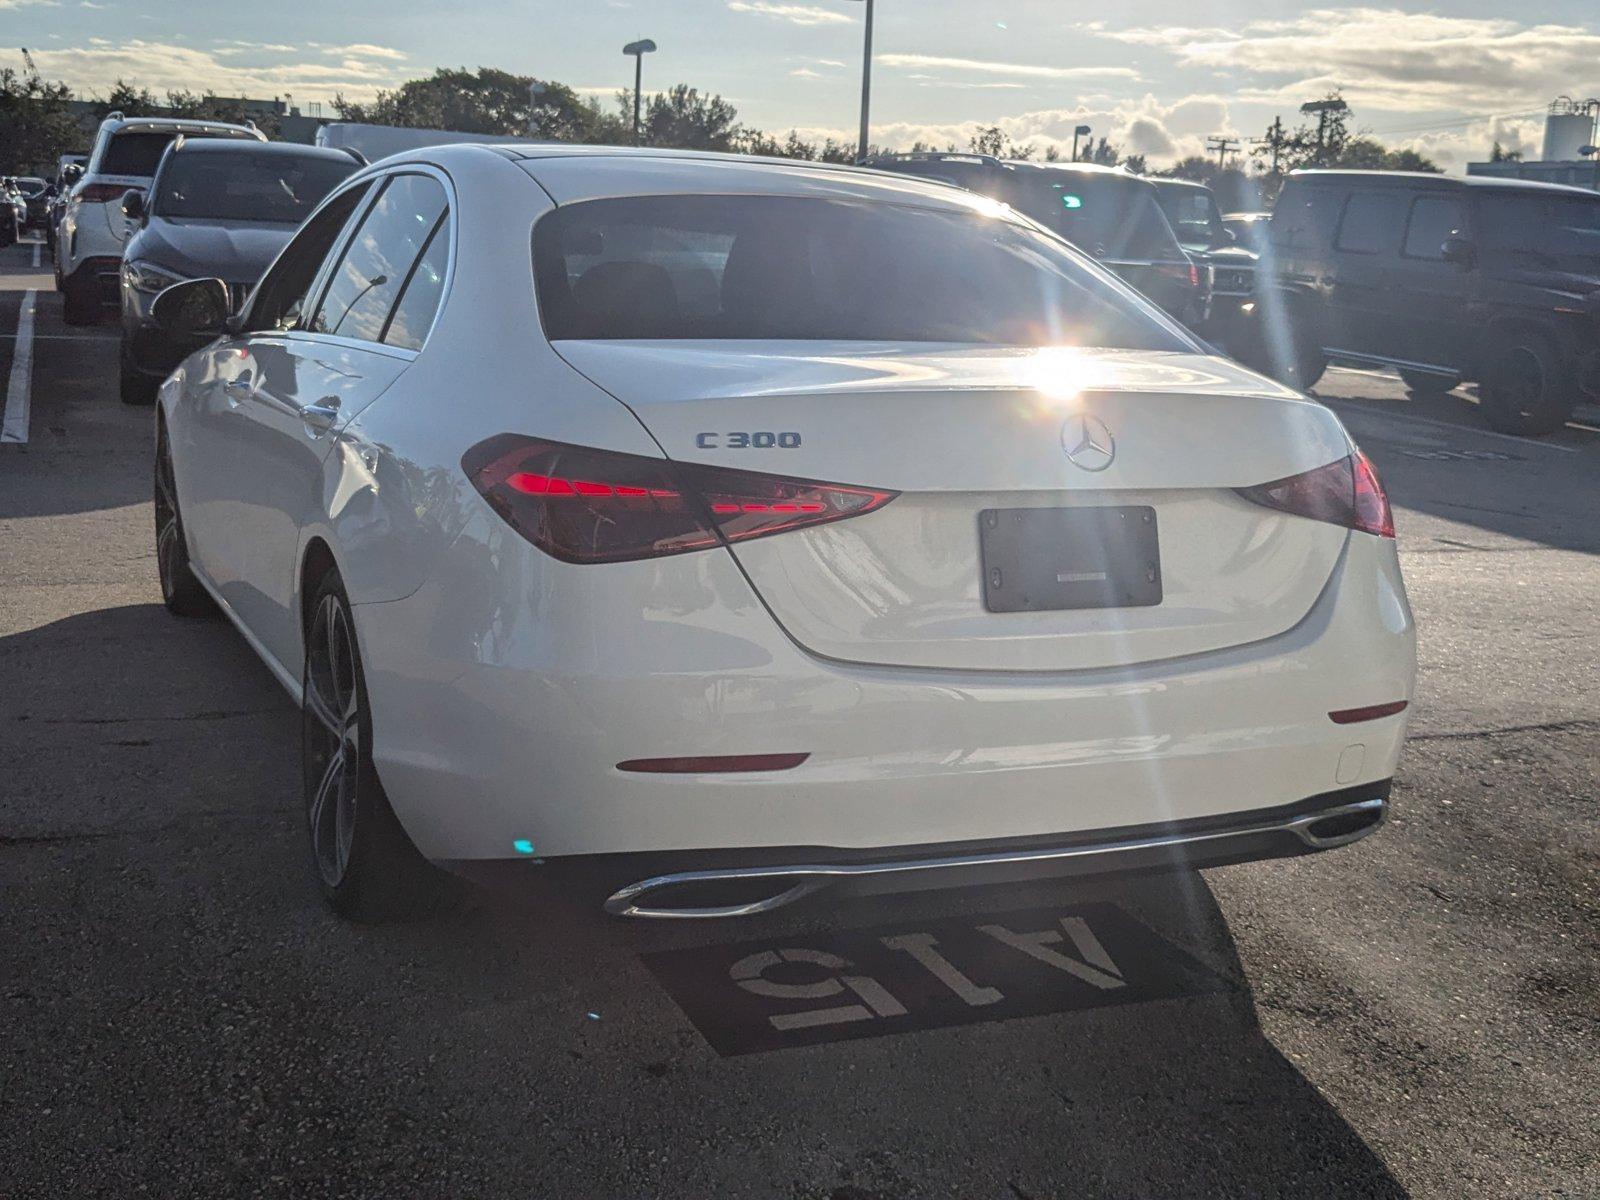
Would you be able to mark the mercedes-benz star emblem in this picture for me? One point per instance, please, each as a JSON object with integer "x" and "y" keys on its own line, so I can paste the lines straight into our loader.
{"x": 1088, "y": 442}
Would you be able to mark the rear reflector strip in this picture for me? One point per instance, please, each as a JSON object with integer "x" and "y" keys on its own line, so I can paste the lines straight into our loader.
{"x": 1349, "y": 716}
{"x": 713, "y": 764}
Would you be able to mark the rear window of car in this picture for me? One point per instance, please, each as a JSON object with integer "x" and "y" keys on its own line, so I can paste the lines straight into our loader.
{"x": 786, "y": 268}
{"x": 237, "y": 185}
{"x": 1193, "y": 214}
{"x": 1304, "y": 217}
{"x": 138, "y": 153}
{"x": 1105, "y": 216}
{"x": 1555, "y": 230}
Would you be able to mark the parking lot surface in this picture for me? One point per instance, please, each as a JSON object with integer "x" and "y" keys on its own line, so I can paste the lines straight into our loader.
{"x": 180, "y": 1016}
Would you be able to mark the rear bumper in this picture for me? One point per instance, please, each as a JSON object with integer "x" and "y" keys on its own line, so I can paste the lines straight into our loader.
{"x": 102, "y": 275}
{"x": 738, "y": 883}
{"x": 500, "y": 719}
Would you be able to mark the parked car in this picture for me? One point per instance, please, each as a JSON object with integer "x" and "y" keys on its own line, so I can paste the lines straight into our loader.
{"x": 1192, "y": 211}
{"x": 13, "y": 212}
{"x": 93, "y": 229}
{"x": 68, "y": 173}
{"x": 1496, "y": 281}
{"x": 1249, "y": 229}
{"x": 1104, "y": 211}
{"x": 538, "y": 542}
{"x": 35, "y": 193}
{"x": 217, "y": 209}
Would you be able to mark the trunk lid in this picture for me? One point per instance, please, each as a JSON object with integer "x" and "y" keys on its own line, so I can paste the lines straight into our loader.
{"x": 960, "y": 431}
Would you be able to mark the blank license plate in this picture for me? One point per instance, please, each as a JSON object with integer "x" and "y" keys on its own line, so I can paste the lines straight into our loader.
{"x": 1044, "y": 559}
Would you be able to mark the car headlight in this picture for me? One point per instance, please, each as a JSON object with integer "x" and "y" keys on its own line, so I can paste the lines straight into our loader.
{"x": 144, "y": 277}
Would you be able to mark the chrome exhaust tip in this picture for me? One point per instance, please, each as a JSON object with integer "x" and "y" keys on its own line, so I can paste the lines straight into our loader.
{"x": 690, "y": 895}
{"x": 1340, "y": 826}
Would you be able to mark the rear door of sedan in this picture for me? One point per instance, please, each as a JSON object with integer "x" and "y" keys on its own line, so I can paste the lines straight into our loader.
{"x": 372, "y": 309}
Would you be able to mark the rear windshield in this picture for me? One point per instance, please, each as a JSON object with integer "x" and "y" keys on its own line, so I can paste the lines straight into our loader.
{"x": 1110, "y": 218}
{"x": 777, "y": 267}
{"x": 137, "y": 153}
{"x": 1562, "y": 232}
{"x": 237, "y": 185}
{"x": 1193, "y": 215}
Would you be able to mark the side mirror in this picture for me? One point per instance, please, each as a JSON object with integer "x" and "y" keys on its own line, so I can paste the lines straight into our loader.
{"x": 133, "y": 204}
{"x": 1459, "y": 250}
{"x": 195, "y": 308}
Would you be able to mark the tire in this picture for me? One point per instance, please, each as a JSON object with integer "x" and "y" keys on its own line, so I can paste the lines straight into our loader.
{"x": 1422, "y": 383}
{"x": 133, "y": 385}
{"x": 80, "y": 306}
{"x": 366, "y": 865}
{"x": 1527, "y": 386}
{"x": 180, "y": 590}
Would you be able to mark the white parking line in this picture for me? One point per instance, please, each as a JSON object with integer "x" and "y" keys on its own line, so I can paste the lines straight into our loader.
{"x": 36, "y": 246}
{"x": 14, "y": 424}
{"x": 1366, "y": 410}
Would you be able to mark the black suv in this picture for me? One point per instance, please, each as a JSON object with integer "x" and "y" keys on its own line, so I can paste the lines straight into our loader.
{"x": 1496, "y": 281}
{"x": 1192, "y": 211}
{"x": 1107, "y": 213}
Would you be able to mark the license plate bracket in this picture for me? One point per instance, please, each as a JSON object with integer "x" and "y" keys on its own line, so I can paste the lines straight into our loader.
{"x": 1052, "y": 559}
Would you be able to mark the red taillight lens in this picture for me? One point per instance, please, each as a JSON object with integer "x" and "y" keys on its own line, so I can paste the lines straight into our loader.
{"x": 589, "y": 506}
{"x": 99, "y": 193}
{"x": 1182, "y": 272}
{"x": 1346, "y": 493}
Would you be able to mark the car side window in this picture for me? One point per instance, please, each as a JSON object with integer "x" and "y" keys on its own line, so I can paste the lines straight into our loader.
{"x": 420, "y": 294}
{"x": 376, "y": 265}
{"x": 281, "y": 299}
{"x": 1432, "y": 219}
{"x": 1371, "y": 223}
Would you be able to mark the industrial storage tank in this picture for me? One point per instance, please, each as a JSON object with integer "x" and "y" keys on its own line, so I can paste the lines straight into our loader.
{"x": 1569, "y": 126}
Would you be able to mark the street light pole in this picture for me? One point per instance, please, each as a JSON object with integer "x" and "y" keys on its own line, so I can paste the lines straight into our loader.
{"x": 866, "y": 83}
{"x": 1077, "y": 132}
{"x": 638, "y": 49}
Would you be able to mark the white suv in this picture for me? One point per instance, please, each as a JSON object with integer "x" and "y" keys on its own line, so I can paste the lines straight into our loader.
{"x": 93, "y": 229}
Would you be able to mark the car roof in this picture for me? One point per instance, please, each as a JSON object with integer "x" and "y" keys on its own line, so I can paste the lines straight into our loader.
{"x": 120, "y": 124}
{"x": 571, "y": 173}
{"x": 1165, "y": 182}
{"x": 1247, "y": 216}
{"x": 1413, "y": 178}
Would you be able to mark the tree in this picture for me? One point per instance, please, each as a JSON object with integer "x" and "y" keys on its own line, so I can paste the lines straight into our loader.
{"x": 35, "y": 125}
{"x": 1499, "y": 154}
{"x": 683, "y": 118}
{"x": 488, "y": 101}
{"x": 992, "y": 140}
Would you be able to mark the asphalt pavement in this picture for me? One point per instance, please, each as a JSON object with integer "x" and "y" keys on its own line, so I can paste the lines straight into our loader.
{"x": 1417, "y": 1015}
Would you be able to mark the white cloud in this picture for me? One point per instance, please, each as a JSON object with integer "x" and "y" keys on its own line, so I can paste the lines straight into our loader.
{"x": 806, "y": 73}
{"x": 1164, "y": 132}
{"x": 1005, "y": 68}
{"x": 795, "y": 14}
{"x": 94, "y": 66}
{"x": 1384, "y": 58}
{"x": 5, "y": 4}
{"x": 367, "y": 50}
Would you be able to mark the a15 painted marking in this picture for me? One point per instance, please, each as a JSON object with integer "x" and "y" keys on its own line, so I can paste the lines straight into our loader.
{"x": 773, "y": 994}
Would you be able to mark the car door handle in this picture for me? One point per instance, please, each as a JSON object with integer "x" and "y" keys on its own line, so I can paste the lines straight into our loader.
{"x": 238, "y": 391}
{"x": 321, "y": 415}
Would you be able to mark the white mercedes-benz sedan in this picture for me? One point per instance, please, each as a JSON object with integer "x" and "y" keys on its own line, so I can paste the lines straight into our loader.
{"x": 705, "y": 530}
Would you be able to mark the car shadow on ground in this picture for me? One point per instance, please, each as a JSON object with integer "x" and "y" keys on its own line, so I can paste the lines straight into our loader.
{"x": 182, "y": 1008}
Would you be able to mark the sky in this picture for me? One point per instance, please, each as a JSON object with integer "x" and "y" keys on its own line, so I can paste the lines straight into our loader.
{"x": 1157, "y": 77}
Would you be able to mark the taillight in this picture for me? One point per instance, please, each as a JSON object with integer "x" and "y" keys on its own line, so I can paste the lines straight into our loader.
{"x": 99, "y": 193}
{"x": 1346, "y": 493}
{"x": 590, "y": 506}
{"x": 1182, "y": 272}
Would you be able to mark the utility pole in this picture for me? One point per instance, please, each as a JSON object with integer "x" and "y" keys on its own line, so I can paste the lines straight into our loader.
{"x": 1224, "y": 146}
